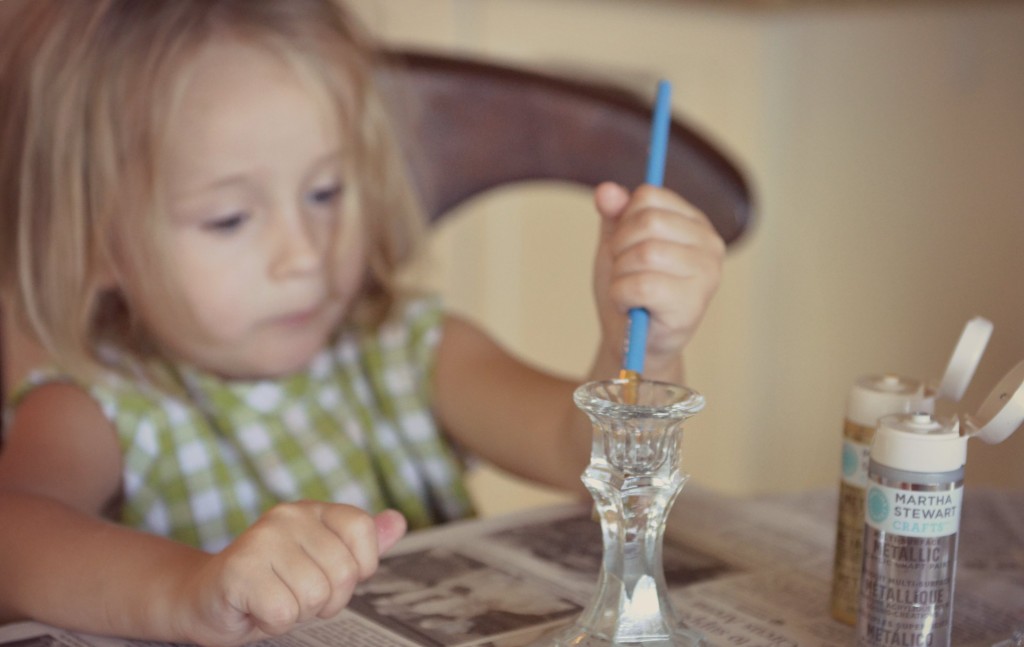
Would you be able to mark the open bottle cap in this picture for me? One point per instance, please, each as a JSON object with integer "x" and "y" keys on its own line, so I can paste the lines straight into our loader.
{"x": 1002, "y": 412}
{"x": 965, "y": 359}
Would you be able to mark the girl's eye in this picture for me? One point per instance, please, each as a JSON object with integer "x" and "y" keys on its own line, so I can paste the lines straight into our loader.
{"x": 326, "y": 195}
{"x": 226, "y": 224}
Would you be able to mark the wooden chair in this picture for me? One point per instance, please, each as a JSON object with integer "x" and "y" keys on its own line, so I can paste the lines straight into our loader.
{"x": 479, "y": 125}
{"x": 482, "y": 125}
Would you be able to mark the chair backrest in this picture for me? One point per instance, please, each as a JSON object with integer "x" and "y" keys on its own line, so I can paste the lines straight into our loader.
{"x": 478, "y": 125}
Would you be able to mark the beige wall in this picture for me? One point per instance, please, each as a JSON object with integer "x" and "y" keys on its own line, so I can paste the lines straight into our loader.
{"x": 886, "y": 145}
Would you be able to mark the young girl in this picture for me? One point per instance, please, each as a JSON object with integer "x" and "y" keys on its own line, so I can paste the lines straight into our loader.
{"x": 203, "y": 216}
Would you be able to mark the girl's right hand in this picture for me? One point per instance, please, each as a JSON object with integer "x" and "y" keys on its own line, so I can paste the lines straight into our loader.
{"x": 299, "y": 561}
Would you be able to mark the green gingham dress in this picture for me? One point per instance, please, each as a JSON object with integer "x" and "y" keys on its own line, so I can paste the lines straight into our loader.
{"x": 355, "y": 427}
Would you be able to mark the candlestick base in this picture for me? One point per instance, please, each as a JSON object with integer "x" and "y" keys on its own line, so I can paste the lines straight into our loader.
{"x": 634, "y": 476}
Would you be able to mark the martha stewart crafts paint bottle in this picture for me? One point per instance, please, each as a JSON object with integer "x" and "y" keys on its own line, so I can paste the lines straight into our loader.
{"x": 910, "y": 541}
{"x": 872, "y": 397}
{"x": 913, "y": 507}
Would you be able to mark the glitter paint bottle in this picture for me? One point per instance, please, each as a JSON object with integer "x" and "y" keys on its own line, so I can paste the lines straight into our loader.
{"x": 871, "y": 398}
{"x": 912, "y": 521}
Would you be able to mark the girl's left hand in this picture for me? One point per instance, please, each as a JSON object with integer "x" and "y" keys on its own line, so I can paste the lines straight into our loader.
{"x": 658, "y": 252}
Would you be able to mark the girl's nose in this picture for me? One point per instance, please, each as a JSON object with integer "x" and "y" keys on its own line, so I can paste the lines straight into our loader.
{"x": 298, "y": 248}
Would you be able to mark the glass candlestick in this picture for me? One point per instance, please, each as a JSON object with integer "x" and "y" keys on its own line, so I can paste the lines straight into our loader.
{"x": 634, "y": 476}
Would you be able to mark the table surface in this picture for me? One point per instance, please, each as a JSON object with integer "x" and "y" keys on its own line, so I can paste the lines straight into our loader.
{"x": 744, "y": 571}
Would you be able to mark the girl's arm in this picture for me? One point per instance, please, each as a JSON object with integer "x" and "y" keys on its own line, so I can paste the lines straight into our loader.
{"x": 62, "y": 563}
{"x": 65, "y": 565}
{"x": 655, "y": 251}
{"x": 507, "y": 412}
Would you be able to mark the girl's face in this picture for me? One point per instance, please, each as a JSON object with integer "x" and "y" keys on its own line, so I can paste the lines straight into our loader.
{"x": 255, "y": 188}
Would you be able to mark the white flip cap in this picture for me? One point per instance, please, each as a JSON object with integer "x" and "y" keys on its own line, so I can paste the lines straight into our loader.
{"x": 874, "y": 396}
{"x": 1002, "y": 412}
{"x": 965, "y": 359}
{"x": 919, "y": 442}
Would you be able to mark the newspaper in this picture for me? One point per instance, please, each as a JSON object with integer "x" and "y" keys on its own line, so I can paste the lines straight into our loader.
{"x": 749, "y": 572}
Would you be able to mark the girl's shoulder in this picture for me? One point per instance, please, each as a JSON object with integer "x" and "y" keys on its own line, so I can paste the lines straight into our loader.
{"x": 59, "y": 441}
{"x": 46, "y": 387}
{"x": 48, "y": 391}
{"x": 124, "y": 386}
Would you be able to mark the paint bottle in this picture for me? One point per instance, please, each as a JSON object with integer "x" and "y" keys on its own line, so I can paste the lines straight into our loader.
{"x": 871, "y": 398}
{"x": 913, "y": 505}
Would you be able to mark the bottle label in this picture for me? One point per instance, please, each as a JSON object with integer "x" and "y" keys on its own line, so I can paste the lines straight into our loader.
{"x": 856, "y": 457}
{"x": 906, "y": 593}
{"x": 850, "y": 526}
{"x": 913, "y": 513}
{"x": 847, "y": 563}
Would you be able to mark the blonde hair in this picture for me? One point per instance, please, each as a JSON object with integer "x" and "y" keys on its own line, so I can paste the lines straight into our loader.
{"x": 85, "y": 91}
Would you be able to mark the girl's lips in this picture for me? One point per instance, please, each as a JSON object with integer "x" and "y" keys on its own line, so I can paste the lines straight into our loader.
{"x": 300, "y": 318}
